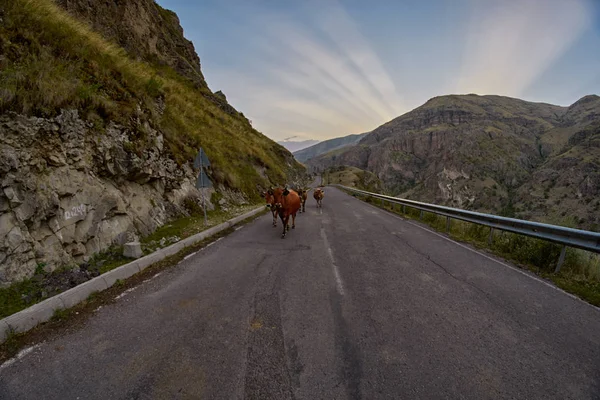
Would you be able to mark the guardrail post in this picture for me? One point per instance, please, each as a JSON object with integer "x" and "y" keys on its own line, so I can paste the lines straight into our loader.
{"x": 421, "y": 215}
{"x": 491, "y": 237}
{"x": 447, "y": 224}
{"x": 382, "y": 203}
{"x": 403, "y": 209}
{"x": 561, "y": 259}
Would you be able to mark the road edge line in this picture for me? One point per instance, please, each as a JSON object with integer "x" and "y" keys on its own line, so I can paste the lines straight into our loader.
{"x": 27, "y": 319}
{"x": 489, "y": 257}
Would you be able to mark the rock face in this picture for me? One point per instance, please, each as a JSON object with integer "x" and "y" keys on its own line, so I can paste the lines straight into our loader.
{"x": 144, "y": 29}
{"x": 489, "y": 153}
{"x": 67, "y": 193}
{"x": 97, "y": 148}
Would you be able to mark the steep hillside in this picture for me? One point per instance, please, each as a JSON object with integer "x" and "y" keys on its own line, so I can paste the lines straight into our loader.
{"x": 145, "y": 30}
{"x": 566, "y": 187}
{"x": 97, "y": 143}
{"x": 326, "y": 146}
{"x": 488, "y": 153}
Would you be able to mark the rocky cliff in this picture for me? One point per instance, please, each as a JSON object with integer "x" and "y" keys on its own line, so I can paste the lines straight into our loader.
{"x": 97, "y": 140}
{"x": 489, "y": 153}
{"x": 144, "y": 29}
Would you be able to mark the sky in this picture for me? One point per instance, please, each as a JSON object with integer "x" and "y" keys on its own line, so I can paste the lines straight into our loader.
{"x": 319, "y": 69}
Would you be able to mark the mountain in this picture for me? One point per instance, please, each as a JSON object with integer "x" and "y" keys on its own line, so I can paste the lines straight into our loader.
{"x": 326, "y": 146}
{"x": 489, "y": 153}
{"x": 103, "y": 108}
{"x": 297, "y": 145}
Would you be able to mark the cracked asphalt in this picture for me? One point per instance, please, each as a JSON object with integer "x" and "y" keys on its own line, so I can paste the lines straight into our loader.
{"x": 354, "y": 304}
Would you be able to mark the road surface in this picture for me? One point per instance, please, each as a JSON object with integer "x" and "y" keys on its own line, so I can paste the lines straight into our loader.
{"x": 354, "y": 304}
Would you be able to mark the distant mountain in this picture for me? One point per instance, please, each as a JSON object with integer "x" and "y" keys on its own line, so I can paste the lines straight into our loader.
{"x": 489, "y": 153}
{"x": 293, "y": 146}
{"x": 327, "y": 145}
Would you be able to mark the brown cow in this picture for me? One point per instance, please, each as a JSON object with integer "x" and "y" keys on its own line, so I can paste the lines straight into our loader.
{"x": 268, "y": 195}
{"x": 287, "y": 203}
{"x": 303, "y": 193}
{"x": 318, "y": 195}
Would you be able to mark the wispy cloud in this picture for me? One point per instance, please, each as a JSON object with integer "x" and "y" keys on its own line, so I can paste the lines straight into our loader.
{"x": 512, "y": 42}
{"x": 328, "y": 78}
{"x": 320, "y": 69}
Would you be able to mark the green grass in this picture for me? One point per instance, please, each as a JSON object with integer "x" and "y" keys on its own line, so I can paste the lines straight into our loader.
{"x": 52, "y": 62}
{"x": 18, "y": 296}
{"x": 579, "y": 274}
{"x": 352, "y": 177}
{"x": 188, "y": 226}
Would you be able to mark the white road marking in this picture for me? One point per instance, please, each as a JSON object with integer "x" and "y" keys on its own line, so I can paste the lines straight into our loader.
{"x": 149, "y": 279}
{"x": 19, "y": 356}
{"x": 211, "y": 243}
{"x": 516, "y": 269}
{"x": 125, "y": 293}
{"x": 336, "y": 272}
{"x": 239, "y": 227}
{"x": 190, "y": 255}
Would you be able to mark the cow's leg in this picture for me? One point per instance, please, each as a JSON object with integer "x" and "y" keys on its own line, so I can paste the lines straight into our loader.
{"x": 274, "y": 219}
{"x": 294, "y": 221}
{"x": 284, "y": 222}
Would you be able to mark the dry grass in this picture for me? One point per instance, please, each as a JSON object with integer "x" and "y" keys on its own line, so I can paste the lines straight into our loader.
{"x": 53, "y": 62}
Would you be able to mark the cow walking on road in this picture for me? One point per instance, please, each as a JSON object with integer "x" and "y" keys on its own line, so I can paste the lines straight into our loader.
{"x": 268, "y": 195}
{"x": 303, "y": 193}
{"x": 287, "y": 203}
{"x": 318, "y": 195}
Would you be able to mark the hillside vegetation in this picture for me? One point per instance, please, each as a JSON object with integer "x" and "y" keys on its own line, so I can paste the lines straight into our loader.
{"x": 98, "y": 136}
{"x": 52, "y": 62}
{"x": 352, "y": 177}
{"x": 489, "y": 153}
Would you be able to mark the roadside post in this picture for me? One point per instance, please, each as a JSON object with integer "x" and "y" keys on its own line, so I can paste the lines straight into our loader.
{"x": 203, "y": 182}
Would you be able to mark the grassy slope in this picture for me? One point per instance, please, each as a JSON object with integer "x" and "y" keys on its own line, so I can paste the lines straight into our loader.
{"x": 352, "y": 177}
{"x": 53, "y": 61}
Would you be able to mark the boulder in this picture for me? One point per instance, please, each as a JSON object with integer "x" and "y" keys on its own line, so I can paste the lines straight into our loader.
{"x": 132, "y": 250}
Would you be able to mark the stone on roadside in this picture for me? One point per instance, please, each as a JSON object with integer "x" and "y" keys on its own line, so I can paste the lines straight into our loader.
{"x": 132, "y": 250}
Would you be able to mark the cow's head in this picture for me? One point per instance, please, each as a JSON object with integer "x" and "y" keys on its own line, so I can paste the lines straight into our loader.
{"x": 269, "y": 198}
{"x": 279, "y": 195}
{"x": 273, "y": 198}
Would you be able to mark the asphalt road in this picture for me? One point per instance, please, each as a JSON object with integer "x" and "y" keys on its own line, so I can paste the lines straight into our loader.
{"x": 354, "y": 304}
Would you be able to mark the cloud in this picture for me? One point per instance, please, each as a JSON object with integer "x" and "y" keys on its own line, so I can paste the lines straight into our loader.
{"x": 321, "y": 75}
{"x": 342, "y": 29}
{"x": 512, "y": 42}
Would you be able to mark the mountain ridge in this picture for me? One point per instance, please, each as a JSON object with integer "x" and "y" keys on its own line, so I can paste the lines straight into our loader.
{"x": 489, "y": 153}
{"x": 326, "y": 146}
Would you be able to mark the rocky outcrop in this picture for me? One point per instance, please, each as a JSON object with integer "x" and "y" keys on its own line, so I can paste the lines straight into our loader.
{"x": 98, "y": 148}
{"x": 144, "y": 29}
{"x": 489, "y": 153}
{"x": 68, "y": 192}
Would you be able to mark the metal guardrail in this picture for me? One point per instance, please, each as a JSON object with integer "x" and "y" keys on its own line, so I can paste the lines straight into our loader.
{"x": 581, "y": 239}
